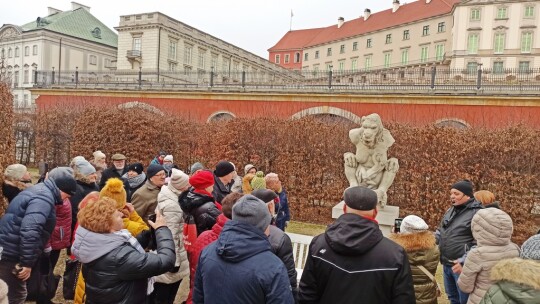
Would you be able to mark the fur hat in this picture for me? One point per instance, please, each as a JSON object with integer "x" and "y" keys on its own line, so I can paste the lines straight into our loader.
{"x": 153, "y": 169}
{"x": 264, "y": 195}
{"x": 3, "y": 292}
{"x": 413, "y": 224}
{"x": 136, "y": 167}
{"x": 249, "y": 167}
{"x": 64, "y": 179}
{"x": 360, "y": 198}
{"x": 531, "y": 248}
{"x": 114, "y": 188}
{"x": 169, "y": 158}
{"x": 246, "y": 183}
{"x": 84, "y": 167}
{"x": 202, "y": 179}
{"x": 15, "y": 171}
{"x": 179, "y": 179}
{"x": 98, "y": 155}
{"x": 251, "y": 210}
{"x": 223, "y": 168}
{"x": 196, "y": 166}
{"x": 258, "y": 181}
{"x": 465, "y": 187}
{"x": 118, "y": 156}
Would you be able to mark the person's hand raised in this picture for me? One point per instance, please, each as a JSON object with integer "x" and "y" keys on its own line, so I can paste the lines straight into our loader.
{"x": 160, "y": 220}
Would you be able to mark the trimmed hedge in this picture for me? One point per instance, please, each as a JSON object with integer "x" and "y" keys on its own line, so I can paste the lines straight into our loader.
{"x": 7, "y": 144}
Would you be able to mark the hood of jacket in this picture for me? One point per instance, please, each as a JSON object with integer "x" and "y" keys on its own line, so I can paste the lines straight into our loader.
{"x": 90, "y": 246}
{"x": 239, "y": 241}
{"x": 353, "y": 234}
{"x": 519, "y": 271}
{"x": 167, "y": 193}
{"x": 412, "y": 242}
{"x": 220, "y": 222}
{"x": 55, "y": 191}
{"x": 492, "y": 227}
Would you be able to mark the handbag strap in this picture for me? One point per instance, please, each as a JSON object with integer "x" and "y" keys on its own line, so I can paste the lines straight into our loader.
{"x": 426, "y": 272}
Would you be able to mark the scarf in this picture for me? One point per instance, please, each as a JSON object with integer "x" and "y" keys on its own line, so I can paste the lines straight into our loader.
{"x": 133, "y": 241}
{"x": 136, "y": 181}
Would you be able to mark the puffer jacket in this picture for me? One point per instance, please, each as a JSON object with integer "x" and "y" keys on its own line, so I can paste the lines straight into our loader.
{"x": 454, "y": 235}
{"x": 282, "y": 247}
{"x": 61, "y": 236}
{"x": 115, "y": 271}
{"x": 240, "y": 268}
{"x": 169, "y": 207}
{"x": 202, "y": 208}
{"x": 84, "y": 187}
{"x": 145, "y": 200}
{"x": 492, "y": 228}
{"x": 421, "y": 251}
{"x": 28, "y": 223}
{"x": 351, "y": 261}
{"x": 516, "y": 281}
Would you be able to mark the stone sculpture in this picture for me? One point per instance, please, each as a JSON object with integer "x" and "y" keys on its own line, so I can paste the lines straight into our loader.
{"x": 370, "y": 166}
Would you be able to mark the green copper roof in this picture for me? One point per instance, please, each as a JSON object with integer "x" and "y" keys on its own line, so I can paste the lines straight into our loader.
{"x": 77, "y": 23}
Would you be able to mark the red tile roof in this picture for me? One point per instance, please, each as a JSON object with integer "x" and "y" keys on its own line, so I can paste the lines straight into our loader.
{"x": 406, "y": 13}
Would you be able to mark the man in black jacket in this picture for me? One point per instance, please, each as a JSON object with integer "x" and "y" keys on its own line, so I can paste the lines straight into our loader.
{"x": 455, "y": 238}
{"x": 352, "y": 262}
{"x": 118, "y": 169}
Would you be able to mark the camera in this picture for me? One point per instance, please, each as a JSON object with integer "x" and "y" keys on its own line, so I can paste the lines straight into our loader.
{"x": 397, "y": 224}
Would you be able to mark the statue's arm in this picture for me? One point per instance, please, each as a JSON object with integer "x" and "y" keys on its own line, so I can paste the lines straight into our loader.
{"x": 355, "y": 135}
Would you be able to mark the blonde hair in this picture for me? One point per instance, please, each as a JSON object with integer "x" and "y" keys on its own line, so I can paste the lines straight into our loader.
{"x": 484, "y": 196}
{"x": 97, "y": 216}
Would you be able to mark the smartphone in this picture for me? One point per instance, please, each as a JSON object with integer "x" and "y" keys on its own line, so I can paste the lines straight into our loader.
{"x": 397, "y": 224}
{"x": 152, "y": 217}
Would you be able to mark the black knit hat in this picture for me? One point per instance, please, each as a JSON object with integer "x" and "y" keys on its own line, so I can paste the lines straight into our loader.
{"x": 264, "y": 195}
{"x": 465, "y": 187}
{"x": 360, "y": 198}
{"x": 66, "y": 184}
{"x": 137, "y": 167}
{"x": 223, "y": 168}
{"x": 153, "y": 169}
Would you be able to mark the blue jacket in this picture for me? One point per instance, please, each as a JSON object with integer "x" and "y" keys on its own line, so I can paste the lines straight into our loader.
{"x": 28, "y": 223}
{"x": 282, "y": 210}
{"x": 240, "y": 268}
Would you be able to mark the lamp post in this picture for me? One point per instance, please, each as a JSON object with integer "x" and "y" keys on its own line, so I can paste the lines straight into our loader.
{"x": 330, "y": 76}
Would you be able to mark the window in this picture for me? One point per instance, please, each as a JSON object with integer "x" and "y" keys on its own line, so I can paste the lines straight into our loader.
{"x": 15, "y": 99}
{"x": 296, "y": 57}
{"x": 472, "y": 45}
{"x": 16, "y": 78}
{"x": 202, "y": 59}
{"x": 524, "y": 66}
{"x": 137, "y": 44}
{"x": 526, "y": 42}
{"x": 26, "y": 51}
{"x": 354, "y": 64}
{"x": 405, "y": 56}
{"x": 278, "y": 59}
{"x": 316, "y": 54}
{"x": 26, "y": 76}
{"x": 475, "y": 14}
{"x": 329, "y": 66}
{"x": 388, "y": 38}
{"x": 425, "y": 30}
{"x": 406, "y": 35}
{"x": 10, "y": 53}
{"x": 441, "y": 27}
{"x": 387, "y": 59}
{"x": 172, "y": 67}
{"x": 502, "y": 13}
{"x": 472, "y": 68}
{"x": 498, "y": 67}
{"x": 498, "y": 46}
{"x": 315, "y": 67}
{"x": 3, "y": 53}
{"x": 225, "y": 64}
{"x": 329, "y": 52}
{"x": 214, "y": 61}
{"x": 25, "y": 104}
{"x": 355, "y": 46}
{"x": 306, "y": 56}
{"x": 368, "y": 43}
{"x": 107, "y": 62}
{"x": 529, "y": 12}
{"x": 34, "y": 50}
{"x": 173, "y": 44}
{"x": 341, "y": 64}
{"x": 286, "y": 58}
{"x": 424, "y": 54}
{"x": 439, "y": 52}
{"x": 16, "y": 52}
{"x": 93, "y": 59}
{"x": 188, "y": 53}
{"x": 367, "y": 63}
{"x": 138, "y": 17}
{"x": 342, "y": 49}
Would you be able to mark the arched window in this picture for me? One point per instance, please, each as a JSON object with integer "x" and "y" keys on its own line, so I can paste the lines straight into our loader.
{"x": 297, "y": 57}
{"x": 10, "y": 53}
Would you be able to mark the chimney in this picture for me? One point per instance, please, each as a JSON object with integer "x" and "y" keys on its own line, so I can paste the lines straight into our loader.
{"x": 340, "y": 22}
{"x": 395, "y": 6}
{"x": 75, "y": 5}
{"x": 52, "y": 11}
{"x": 367, "y": 13}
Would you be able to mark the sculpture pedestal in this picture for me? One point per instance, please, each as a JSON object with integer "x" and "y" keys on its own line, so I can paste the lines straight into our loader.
{"x": 385, "y": 217}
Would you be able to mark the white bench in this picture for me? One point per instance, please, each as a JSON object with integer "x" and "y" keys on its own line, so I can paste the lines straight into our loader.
{"x": 300, "y": 245}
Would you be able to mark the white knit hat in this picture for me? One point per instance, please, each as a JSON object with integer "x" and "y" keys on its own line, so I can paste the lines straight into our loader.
{"x": 15, "y": 171}
{"x": 169, "y": 158}
{"x": 413, "y": 224}
{"x": 99, "y": 155}
{"x": 179, "y": 180}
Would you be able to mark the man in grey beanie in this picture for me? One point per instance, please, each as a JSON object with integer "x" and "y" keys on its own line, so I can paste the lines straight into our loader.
{"x": 240, "y": 267}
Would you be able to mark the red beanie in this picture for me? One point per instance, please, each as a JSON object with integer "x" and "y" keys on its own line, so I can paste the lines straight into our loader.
{"x": 202, "y": 179}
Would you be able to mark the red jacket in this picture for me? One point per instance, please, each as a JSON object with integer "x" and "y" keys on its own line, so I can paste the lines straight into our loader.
{"x": 202, "y": 241}
{"x": 61, "y": 236}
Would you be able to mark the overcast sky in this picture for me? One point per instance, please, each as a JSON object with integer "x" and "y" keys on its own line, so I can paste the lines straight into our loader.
{"x": 253, "y": 25}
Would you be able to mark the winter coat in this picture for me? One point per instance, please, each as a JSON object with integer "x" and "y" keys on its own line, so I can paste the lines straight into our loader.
{"x": 115, "y": 271}
{"x": 28, "y": 223}
{"x": 84, "y": 187}
{"x": 133, "y": 184}
{"x": 421, "y": 251}
{"x": 492, "y": 230}
{"x": 145, "y": 200}
{"x": 516, "y": 281}
{"x": 169, "y": 207}
{"x": 202, "y": 208}
{"x": 240, "y": 268}
{"x": 12, "y": 189}
{"x": 454, "y": 234}
{"x": 283, "y": 213}
{"x": 61, "y": 236}
{"x": 110, "y": 173}
{"x": 351, "y": 261}
{"x": 221, "y": 190}
{"x": 282, "y": 247}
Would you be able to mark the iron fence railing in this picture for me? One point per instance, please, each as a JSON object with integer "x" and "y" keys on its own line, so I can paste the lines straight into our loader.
{"x": 414, "y": 79}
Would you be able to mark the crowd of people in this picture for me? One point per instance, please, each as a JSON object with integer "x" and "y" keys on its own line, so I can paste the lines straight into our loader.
{"x": 138, "y": 233}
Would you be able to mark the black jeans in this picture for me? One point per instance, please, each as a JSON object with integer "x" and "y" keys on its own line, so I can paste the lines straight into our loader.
{"x": 17, "y": 288}
{"x": 164, "y": 293}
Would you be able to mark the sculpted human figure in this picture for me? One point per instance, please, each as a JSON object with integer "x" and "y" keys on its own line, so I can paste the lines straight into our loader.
{"x": 370, "y": 166}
